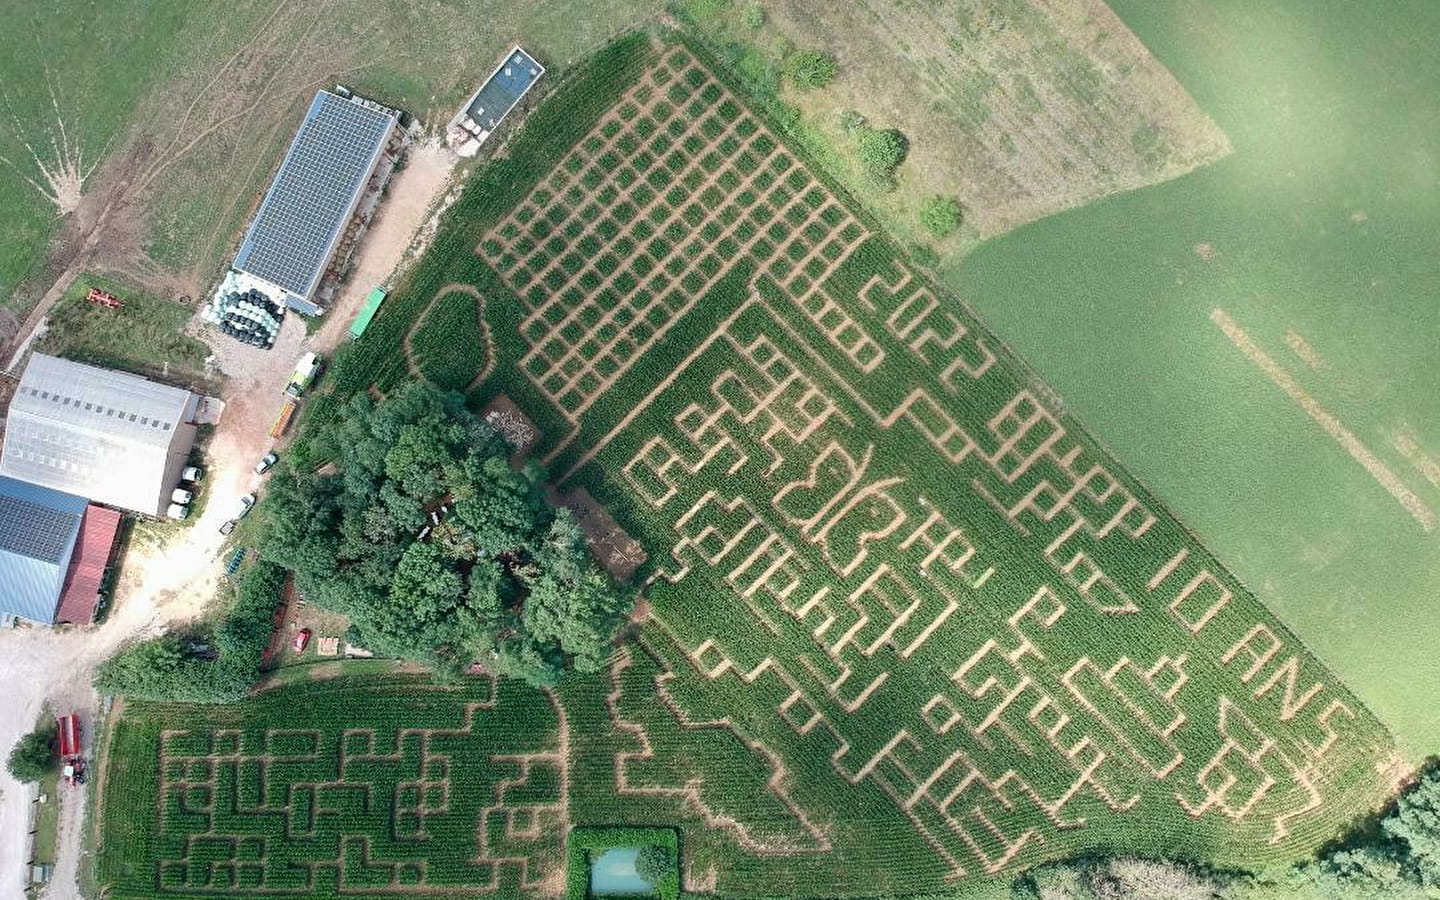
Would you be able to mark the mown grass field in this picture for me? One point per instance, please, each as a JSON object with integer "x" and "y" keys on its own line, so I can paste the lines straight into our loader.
{"x": 910, "y": 624}
{"x": 189, "y": 107}
{"x": 1016, "y": 109}
{"x": 1313, "y": 238}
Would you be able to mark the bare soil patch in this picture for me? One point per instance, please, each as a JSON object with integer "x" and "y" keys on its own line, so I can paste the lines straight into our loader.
{"x": 514, "y": 426}
{"x": 616, "y": 551}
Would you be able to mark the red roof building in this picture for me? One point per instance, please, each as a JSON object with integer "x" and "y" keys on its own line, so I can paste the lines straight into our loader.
{"x": 93, "y": 547}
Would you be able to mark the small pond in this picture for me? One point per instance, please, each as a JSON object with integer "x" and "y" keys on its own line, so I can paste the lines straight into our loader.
{"x": 613, "y": 872}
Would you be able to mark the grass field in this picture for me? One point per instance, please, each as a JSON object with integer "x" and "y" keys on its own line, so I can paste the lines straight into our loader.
{"x": 1312, "y": 240}
{"x": 176, "y": 114}
{"x": 78, "y": 66}
{"x": 191, "y": 105}
{"x": 146, "y": 335}
{"x": 1017, "y": 109}
{"x": 910, "y": 624}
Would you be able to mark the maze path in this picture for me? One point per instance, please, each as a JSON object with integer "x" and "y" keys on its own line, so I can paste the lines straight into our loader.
{"x": 772, "y": 410}
{"x": 709, "y": 185}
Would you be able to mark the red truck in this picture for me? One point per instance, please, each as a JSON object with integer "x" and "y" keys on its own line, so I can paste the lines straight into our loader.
{"x": 68, "y": 727}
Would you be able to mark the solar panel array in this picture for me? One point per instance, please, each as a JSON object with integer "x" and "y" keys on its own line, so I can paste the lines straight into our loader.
{"x": 38, "y": 527}
{"x": 311, "y": 198}
{"x": 36, "y": 531}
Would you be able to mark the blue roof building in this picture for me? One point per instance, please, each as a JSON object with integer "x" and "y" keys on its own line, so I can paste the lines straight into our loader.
{"x": 38, "y": 528}
{"x": 494, "y": 100}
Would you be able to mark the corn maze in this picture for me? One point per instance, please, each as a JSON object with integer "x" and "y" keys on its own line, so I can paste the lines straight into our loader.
{"x": 889, "y": 566}
{"x": 364, "y": 787}
{"x": 908, "y": 624}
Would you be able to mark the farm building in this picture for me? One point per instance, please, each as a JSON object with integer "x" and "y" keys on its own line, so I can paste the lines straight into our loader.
{"x": 115, "y": 438}
{"x": 54, "y": 548}
{"x": 488, "y": 106}
{"x": 319, "y": 201}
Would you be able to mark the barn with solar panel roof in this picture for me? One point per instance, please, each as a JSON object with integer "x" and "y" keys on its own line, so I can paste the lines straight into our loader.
{"x": 311, "y": 217}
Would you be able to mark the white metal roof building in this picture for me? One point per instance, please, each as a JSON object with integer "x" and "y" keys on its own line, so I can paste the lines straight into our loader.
{"x": 314, "y": 195}
{"x": 113, "y": 437}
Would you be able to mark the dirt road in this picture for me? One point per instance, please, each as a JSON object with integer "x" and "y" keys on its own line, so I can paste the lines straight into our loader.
{"x": 176, "y": 582}
{"x": 413, "y": 192}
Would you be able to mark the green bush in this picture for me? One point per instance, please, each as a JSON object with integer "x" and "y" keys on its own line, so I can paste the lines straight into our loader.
{"x": 752, "y": 15}
{"x": 218, "y": 666}
{"x": 849, "y": 120}
{"x": 34, "y": 754}
{"x": 881, "y": 151}
{"x": 941, "y": 216}
{"x": 810, "y": 69}
{"x": 653, "y": 863}
{"x": 924, "y": 255}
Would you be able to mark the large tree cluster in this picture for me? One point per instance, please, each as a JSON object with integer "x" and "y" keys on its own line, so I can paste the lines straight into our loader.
{"x": 437, "y": 549}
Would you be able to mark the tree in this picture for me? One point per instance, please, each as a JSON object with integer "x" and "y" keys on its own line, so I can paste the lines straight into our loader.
{"x": 149, "y": 669}
{"x": 1401, "y": 858}
{"x": 218, "y": 665}
{"x": 881, "y": 151}
{"x": 810, "y": 69}
{"x": 1416, "y": 824}
{"x": 437, "y": 549}
{"x": 33, "y": 755}
{"x": 653, "y": 863}
{"x": 1122, "y": 878}
{"x": 940, "y": 216}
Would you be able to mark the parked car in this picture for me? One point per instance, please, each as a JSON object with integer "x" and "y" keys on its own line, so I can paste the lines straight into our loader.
{"x": 265, "y": 463}
{"x": 181, "y": 496}
{"x": 227, "y": 526}
{"x": 302, "y": 640}
{"x": 247, "y": 503}
{"x": 177, "y": 511}
{"x": 192, "y": 474}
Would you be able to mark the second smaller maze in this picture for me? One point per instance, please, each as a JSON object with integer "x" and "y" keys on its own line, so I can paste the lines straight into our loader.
{"x": 370, "y": 795}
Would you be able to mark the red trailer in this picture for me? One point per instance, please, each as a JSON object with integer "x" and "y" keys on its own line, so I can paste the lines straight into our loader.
{"x": 70, "y": 757}
{"x": 102, "y": 298}
{"x": 69, "y": 736}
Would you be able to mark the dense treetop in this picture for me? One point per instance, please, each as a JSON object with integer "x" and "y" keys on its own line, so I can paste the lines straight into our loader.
{"x": 502, "y": 579}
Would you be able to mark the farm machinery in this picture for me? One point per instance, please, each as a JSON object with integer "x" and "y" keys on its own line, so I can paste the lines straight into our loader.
{"x": 71, "y": 760}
